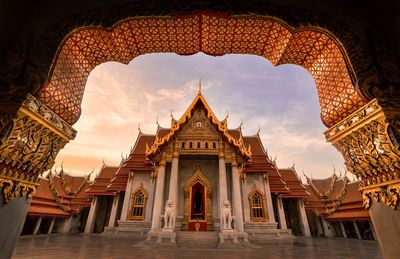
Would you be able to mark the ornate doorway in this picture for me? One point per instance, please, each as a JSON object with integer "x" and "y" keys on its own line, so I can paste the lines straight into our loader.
{"x": 198, "y": 195}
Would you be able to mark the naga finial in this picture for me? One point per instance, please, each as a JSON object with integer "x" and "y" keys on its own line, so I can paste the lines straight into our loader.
{"x": 139, "y": 129}
{"x": 259, "y": 129}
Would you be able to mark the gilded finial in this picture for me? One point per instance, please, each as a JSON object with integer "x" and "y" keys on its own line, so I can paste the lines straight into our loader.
{"x": 199, "y": 92}
{"x": 259, "y": 129}
{"x": 158, "y": 124}
{"x": 139, "y": 129}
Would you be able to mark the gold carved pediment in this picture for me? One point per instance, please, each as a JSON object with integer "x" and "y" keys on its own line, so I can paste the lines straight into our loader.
{"x": 199, "y": 126}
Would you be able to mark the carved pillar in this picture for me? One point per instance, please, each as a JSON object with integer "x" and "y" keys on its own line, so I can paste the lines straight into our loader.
{"x": 173, "y": 181}
{"x": 369, "y": 140}
{"x": 223, "y": 192}
{"x": 92, "y": 216}
{"x": 127, "y": 197}
{"x": 236, "y": 196}
{"x": 158, "y": 199}
{"x": 29, "y": 143}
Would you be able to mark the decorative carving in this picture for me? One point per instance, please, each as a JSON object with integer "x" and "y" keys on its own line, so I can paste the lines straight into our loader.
{"x": 389, "y": 195}
{"x": 197, "y": 177}
{"x": 259, "y": 34}
{"x": 369, "y": 143}
{"x": 227, "y": 216}
{"x": 29, "y": 144}
{"x": 139, "y": 202}
{"x": 11, "y": 189}
{"x": 207, "y": 118}
{"x": 169, "y": 216}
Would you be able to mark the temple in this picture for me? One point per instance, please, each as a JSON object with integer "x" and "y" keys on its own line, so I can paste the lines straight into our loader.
{"x": 198, "y": 175}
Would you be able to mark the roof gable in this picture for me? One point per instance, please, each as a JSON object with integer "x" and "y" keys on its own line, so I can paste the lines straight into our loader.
{"x": 220, "y": 126}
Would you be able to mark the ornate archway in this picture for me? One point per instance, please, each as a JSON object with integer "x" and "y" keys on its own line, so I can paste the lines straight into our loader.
{"x": 54, "y": 65}
{"x": 197, "y": 214}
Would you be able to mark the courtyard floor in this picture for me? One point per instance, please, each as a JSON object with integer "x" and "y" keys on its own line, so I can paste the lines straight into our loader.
{"x": 110, "y": 246}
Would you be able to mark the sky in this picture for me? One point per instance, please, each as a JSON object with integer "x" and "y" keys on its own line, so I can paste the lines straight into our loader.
{"x": 281, "y": 100}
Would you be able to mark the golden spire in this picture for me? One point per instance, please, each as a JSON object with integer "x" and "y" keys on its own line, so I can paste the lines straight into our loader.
{"x": 199, "y": 92}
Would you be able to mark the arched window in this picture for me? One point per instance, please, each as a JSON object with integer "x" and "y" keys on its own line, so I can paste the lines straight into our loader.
{"x": 257, "y": 210}
{"x": 206, "y": 145}
{"x": 214, "y": 145}
{"x": 183, "y": 145}
{"x": 190, "y": 145}
{"x": 198, "y": 145}
{"x": 138, "y": 209}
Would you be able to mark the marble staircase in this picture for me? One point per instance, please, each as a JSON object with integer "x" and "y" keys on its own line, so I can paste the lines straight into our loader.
{"x": 199, "y": 239}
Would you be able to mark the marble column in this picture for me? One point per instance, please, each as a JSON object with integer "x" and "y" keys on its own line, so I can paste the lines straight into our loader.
{"x": 66, "y": 225}
{"x": 37, "y": 226}
{"x": 270, "y": 207}
{"x": 223, "y": 192}
{"x": 53, "y": 220}
{"x": 113, "y": 214}
{"x": 236, "y": 197}
{"x": 91, "y": 217}
{"x": 158, "y": 199}
{"x": 173, "y": 181}
{"x": 303, "y": 218}
{"x": 343, "y": 229}
{"x": 127, "y": 197}
{"x": 281, "y": 214}
{"x": 357, "y": 230}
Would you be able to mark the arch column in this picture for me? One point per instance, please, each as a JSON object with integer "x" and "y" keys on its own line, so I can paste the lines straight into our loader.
{"x": 173, "y": 181}
{"x": 236, "y": 196}
{"x": 223, "y": 192}
{"x": 158, "y": 197}
{"x": 369, "y": 140}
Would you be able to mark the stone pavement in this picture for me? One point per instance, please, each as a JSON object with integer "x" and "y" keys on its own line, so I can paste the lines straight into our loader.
{"x": 123, "y": 246}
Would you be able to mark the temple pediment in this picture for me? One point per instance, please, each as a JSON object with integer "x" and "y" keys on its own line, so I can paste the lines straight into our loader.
{"x": 198, "y": 123}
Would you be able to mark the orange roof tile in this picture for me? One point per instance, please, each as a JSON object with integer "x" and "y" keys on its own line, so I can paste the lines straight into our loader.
{"x": 99, "y": 185}
{"x": 292, "y": 180}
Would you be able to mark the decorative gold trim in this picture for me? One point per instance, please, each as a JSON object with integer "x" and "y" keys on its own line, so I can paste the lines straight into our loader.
{"x": 133, "y": 203}
{"x": 197, "y": 177}
{"x": 254, "y": 191}
{"x": 221, "y": 125}
{"x": 11, "y": 189}
{"x": 389, "y": 195}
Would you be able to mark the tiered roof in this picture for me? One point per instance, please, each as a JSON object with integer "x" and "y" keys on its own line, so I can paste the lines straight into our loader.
{"x": 293, "y": 182}
{"x": 148, "y": 146}
{"x": 335, "y": 198}
{"x": 60, "y": 195}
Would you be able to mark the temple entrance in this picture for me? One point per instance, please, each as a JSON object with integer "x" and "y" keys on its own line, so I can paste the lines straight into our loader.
{"x": 198, "y": 195}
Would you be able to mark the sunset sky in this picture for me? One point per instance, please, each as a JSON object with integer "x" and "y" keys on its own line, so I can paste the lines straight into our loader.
{"x": 282, "y": 100}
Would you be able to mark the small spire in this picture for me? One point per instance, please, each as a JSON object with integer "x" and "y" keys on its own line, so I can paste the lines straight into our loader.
{"x": 241, "y": 124}
{"x": 158, "y": 124}
{"x": 199, "y": 92}
{"x": 139, "y": 129}
{"x": 294, "y": 163}
{"x": 258, "y": 131}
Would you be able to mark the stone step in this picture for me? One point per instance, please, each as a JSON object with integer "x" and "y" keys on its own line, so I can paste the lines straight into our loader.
{"x": 200, "y": 239}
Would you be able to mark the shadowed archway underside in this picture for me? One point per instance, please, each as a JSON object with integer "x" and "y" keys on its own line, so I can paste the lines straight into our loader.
{"x": 312, "y": 48}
